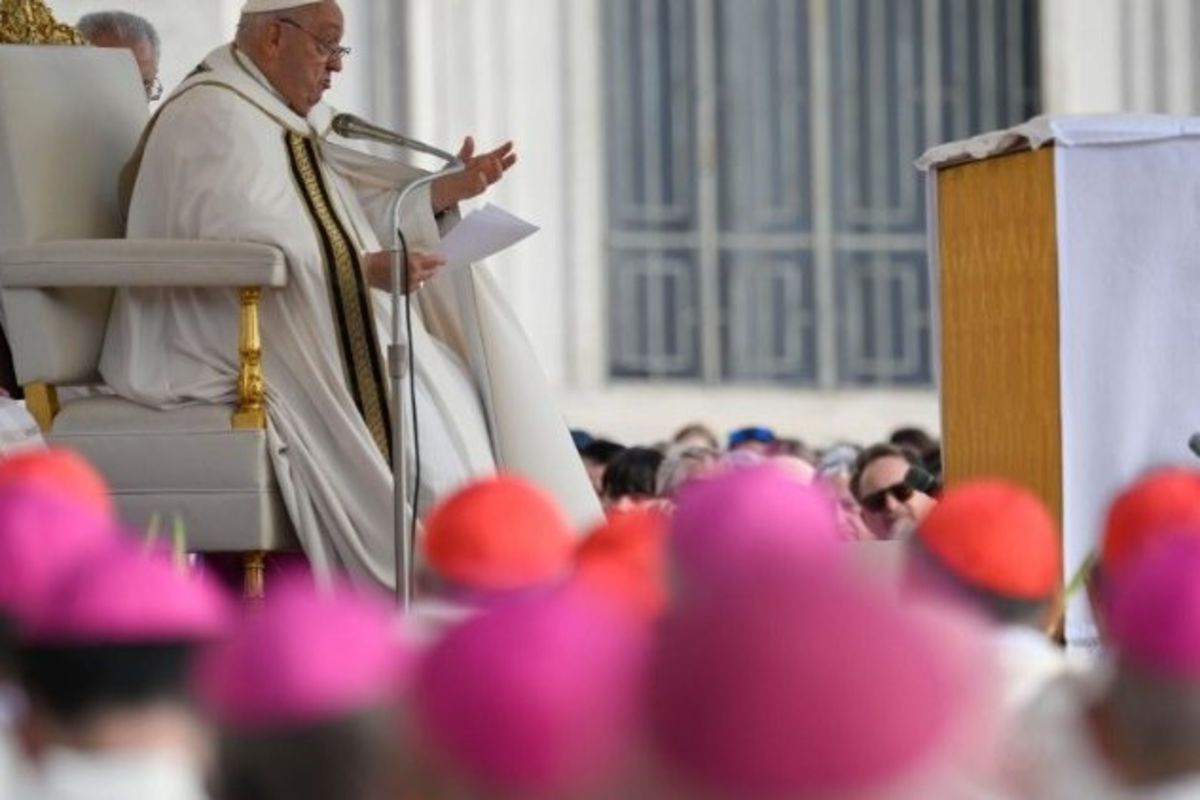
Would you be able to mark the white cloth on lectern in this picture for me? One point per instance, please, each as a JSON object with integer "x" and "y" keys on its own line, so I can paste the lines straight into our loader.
{"x": 1129, "y": 289}
{"x": 217, "y": 165}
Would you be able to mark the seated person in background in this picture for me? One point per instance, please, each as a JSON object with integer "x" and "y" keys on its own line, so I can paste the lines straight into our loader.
{"x": 1139, "y": 737}
{"x": 795, "y": 448}
{"x": 927, "y": 448}
{"x": 892, "y": 488}
{"x": 596, "y": 455}
{"x": 681, "y": 464}
{"x": 631, "y": 477}
{"x": 993, "y": 545}
{"x": 319, "y": 723}
{"x": 755, "y": 439}
{"x": 106, "y": 675}
{"x": 696, "y": 434}
{"x": 121, "y": 29}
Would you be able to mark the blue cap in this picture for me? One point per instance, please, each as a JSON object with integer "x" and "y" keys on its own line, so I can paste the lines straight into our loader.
{"x": 751, "y": 434}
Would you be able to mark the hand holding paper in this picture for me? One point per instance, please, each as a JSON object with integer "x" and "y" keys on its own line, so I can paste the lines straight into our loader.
{"x": 482, "y": 233}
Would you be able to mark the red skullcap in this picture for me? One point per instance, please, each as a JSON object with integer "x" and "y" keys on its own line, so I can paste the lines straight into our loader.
{"x": 1167, "y": 498}
{"x": 499, "y": 533}
{"x": 625, "y": 560}
{"x": 997, "y": 537}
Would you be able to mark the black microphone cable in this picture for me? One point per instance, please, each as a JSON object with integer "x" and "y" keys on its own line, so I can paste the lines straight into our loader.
{"x": 412, "y": 396}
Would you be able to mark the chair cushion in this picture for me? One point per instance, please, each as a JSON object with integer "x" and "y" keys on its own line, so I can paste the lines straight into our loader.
{"x": 145, "y": 450}
{"x": 187, "y": 462}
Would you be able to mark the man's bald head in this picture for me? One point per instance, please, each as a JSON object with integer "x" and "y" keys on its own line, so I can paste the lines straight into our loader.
{"x": 298, "y": 49}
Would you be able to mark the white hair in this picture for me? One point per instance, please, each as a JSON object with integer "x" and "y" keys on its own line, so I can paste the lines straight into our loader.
{"x": 120, "y": 25}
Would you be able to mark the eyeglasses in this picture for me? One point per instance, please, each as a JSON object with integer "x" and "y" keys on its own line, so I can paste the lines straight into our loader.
{"x": 153, "y": 87}
{"x": 877, "y": 501}
{"x": 323, "y": 47}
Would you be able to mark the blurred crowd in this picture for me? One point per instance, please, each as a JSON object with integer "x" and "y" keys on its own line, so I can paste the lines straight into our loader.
{"x": 721, "y": 636}
{"x": 883, "y": 490}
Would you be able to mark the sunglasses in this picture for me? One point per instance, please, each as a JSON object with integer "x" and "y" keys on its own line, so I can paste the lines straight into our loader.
{"x": 877, "y": 501}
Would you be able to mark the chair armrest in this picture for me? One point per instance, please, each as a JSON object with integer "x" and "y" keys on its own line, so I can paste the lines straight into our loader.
{"x": 142, "y": 263}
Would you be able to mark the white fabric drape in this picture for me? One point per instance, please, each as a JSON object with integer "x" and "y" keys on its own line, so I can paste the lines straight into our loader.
{"x": 1129, "y": 283}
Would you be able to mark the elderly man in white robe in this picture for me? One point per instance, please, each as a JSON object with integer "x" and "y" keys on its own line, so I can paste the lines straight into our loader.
{"x": 242, "y": 150}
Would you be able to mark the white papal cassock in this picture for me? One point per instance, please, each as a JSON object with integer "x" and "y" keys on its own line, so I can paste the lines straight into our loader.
{"x": 225, "y": 158}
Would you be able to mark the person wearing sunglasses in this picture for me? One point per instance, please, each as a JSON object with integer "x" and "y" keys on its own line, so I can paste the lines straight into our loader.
{"x": 892, "y": 489}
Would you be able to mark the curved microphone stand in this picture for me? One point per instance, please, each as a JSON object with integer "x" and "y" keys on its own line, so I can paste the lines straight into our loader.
{"x": 398, "y": 367}
{"x": 352, "y": 127}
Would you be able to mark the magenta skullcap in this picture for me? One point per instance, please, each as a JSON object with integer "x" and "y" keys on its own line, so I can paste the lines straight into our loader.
{"x": 796, "y": 680}
{"x": 124, "y": 594}
{"x": 1153, "y": 610}
{"x": 749, "y": 513}
{"x": 304, "y": 657}
{"x": 537, "y": 696}
{"x": 41, "y": 537}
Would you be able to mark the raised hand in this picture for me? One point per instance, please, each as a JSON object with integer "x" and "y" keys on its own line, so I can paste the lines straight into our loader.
{"x": 481, "y": 171}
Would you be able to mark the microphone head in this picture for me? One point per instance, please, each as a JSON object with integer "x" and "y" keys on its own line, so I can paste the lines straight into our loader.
{"x": 1194, "y": 444}
{"x": 344, "y": 125}
{"x": 922, "y": 480}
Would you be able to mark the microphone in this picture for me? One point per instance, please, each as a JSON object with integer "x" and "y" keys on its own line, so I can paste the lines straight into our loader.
{"x": 922, "y": 480}
{"x": 350, "y": 126}
{"x": 1194, "y": 444}
{"x": 400, "y": 351}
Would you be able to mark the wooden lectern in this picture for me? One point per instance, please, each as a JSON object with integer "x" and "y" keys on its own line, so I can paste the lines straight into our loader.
{"x": 997, "y": 279}
{"x": 1066, "y": 261}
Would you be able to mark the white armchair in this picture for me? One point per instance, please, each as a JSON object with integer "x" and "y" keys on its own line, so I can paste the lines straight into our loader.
{"x": 70, "y": 117}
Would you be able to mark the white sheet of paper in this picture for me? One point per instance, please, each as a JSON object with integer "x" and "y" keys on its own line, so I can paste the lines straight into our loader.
{"x": 482, "y": 233}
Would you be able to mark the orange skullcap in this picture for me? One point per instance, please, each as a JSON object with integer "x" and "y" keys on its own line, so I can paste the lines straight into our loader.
{"x": 497, "y": 534}
{"x": 625, "y": 560}
{"x": 59, "y": 472}
{"x": 995, "y": 536}
{"x": 1165, "y": 498}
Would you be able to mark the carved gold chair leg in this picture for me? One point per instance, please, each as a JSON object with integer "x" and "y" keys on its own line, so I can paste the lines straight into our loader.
{"x": 41, "y": 400}
{"x": 254, "y": 568}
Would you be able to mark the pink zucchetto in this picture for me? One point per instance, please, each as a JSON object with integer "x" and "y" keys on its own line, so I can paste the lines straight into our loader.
{"x": 306, "y": 656}
{"x": 42, "y": 537}
{"x": 756, "y": 512}
{"x": 1154, "y": 610}
{"x": 535, "y": 698}
{"x": 797, "y": 680}
{"x": 124, "y": 595}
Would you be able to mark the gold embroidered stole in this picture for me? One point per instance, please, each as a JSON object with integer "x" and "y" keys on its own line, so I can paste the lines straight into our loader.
{"x": 352, "y": 312}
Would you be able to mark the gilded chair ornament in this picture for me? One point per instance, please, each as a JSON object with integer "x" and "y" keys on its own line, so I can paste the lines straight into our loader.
{"x": 251, "y": 413}
{"x": 31, "y": 22}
